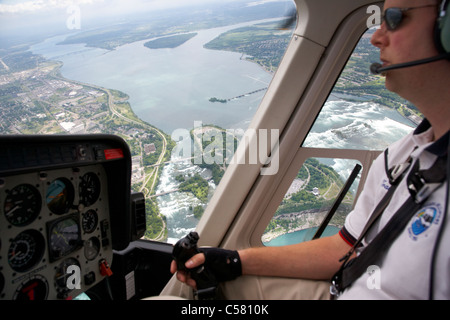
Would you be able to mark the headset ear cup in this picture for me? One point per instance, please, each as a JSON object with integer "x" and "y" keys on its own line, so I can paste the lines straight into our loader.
{"x": 442, "y": 29}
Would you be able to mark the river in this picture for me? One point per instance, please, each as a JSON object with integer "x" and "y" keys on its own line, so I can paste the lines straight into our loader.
{"x": 170, "y": 88}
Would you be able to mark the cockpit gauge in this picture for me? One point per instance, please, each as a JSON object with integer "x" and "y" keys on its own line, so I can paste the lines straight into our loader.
{"x": 22, "y": 205}
{"x": 89, "y": 189}
{"x": 26, "y": 250}
{"x": 89, "y": 221}
{"x": 92, "y": 248}
{"x": 36, "y": 288}
{"x": 60, "y": 196}
{"x": 63, "y": 237}
{"x": 63, "y": 276}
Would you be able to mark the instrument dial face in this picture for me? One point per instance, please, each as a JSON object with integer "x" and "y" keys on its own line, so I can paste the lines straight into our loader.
{"x": 22, "y": 205}
{"x": 26, "y": 250}
{"x": 89, "y": 221}
{"x": 60, "y": 196}
{"x": 64, "y": 237}
{"x": 89, "y": 189}
{"x": 92, "y": 248}
{"x": 61, "y": 275}
{"x": 34, "y": 289}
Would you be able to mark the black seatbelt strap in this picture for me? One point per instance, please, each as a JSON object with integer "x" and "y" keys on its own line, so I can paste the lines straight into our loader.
{"x": 395, "y": 175}
{"x": 421, "y": 184}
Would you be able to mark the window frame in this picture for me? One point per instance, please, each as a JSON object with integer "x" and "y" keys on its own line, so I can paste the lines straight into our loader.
{"x": 365, "y": 157}
{"x": 262, "y": 200}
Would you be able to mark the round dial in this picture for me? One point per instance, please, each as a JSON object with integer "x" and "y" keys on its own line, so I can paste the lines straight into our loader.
{"x": 89, "y": 189}
{"x": 89, "y": 221}
{"x": 64, "y": 238}
{"x": 22, "y": 205}
{"x": 61, "y": 275}
{"x": 26, "y": 250}
{"x": 92, "y": 248}
{"x": 60, "y": 196}
{"x": 35, "y": 288}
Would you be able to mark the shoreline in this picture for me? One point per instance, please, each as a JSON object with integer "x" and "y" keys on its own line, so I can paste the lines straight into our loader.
{"x": 267, "y": 237}
{"x": 307, "y": 220}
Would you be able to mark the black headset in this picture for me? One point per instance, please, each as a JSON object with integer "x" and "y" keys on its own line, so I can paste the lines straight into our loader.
{"x": 442, "y": 28}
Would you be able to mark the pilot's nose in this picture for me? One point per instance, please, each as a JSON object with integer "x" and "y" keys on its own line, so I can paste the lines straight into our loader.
{"x": 380, "y": 37}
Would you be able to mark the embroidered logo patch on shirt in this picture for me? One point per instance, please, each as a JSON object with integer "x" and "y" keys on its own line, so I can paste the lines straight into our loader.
{"x": 423, "y": 220}
{"x": 385, "y": 184}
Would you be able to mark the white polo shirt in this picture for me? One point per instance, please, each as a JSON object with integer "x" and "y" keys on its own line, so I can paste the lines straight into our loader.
{"x": 405, "y": 270}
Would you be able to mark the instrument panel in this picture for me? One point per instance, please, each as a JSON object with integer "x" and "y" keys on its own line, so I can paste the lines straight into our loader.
{"x": 55, "y": 232}
{"x": 61, "y": 214}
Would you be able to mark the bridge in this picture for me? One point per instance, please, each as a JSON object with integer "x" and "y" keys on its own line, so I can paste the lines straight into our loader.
{"x": 163, "y": 193}
{"x": 247, "y": 94}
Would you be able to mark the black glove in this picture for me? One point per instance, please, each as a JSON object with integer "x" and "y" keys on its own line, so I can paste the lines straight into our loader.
{"x": 224, "y": 264}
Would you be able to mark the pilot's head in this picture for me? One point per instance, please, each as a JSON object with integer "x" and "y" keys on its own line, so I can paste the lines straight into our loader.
{"x": 408, "y": 33}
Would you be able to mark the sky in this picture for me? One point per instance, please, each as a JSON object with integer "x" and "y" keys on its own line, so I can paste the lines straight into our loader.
{"x": 21, "y": 7}
{"x": 28, "y": 6}
{"x": 19, "y": 17}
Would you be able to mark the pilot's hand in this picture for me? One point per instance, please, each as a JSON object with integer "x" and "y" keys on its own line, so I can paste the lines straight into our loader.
{"x": 224, "y": 265}
{"x": 185, "y": 277}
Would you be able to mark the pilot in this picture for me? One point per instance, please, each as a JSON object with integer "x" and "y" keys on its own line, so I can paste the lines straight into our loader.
{"x": 412, "y": 257}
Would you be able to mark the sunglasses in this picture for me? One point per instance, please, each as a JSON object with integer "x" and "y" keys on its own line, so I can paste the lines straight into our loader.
{"x": 394, "y": 16}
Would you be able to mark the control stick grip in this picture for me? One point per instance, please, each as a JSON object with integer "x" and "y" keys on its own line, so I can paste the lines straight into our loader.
{"x": 184, "y": 249}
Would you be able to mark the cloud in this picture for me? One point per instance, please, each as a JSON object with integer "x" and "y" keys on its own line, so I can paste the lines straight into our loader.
{"x": 257, "y": 3}
{"x": 36, "y": 6}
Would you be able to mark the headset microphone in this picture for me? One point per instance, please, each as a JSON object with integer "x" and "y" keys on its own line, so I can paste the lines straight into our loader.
{"x": 377, "y": 68}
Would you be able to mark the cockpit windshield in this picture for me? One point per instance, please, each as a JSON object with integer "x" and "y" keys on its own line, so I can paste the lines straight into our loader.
{"x": 152, "y": 72}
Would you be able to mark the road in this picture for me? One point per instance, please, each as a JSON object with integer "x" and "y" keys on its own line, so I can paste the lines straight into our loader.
{"x": 110, "y": 98}
{"x": 150, "y": 179}
{"x": 155, "y": 168}
{"x": 4, "y": 65}
{"x": 153, "y": 175}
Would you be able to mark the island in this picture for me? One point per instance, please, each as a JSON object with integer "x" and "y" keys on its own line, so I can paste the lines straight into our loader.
{"x": 197, "y": 186}
{"x": 169, "y": 42}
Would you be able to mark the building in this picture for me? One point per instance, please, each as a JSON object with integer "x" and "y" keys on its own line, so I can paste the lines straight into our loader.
{"x": 149, "y": 148}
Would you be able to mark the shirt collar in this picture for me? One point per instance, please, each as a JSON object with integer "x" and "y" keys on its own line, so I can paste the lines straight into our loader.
{"x": 422, "y": 127}
{"x": 438, "y": 147}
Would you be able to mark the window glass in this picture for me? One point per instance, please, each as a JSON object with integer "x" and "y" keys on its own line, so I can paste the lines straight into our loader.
{"x": 148, "y": 71}
{"x": 309, "y": 200}
{"x": 360, "y": 112}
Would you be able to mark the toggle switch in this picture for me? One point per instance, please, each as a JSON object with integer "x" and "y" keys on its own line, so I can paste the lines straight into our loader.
{"x": 105, "y": 270}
